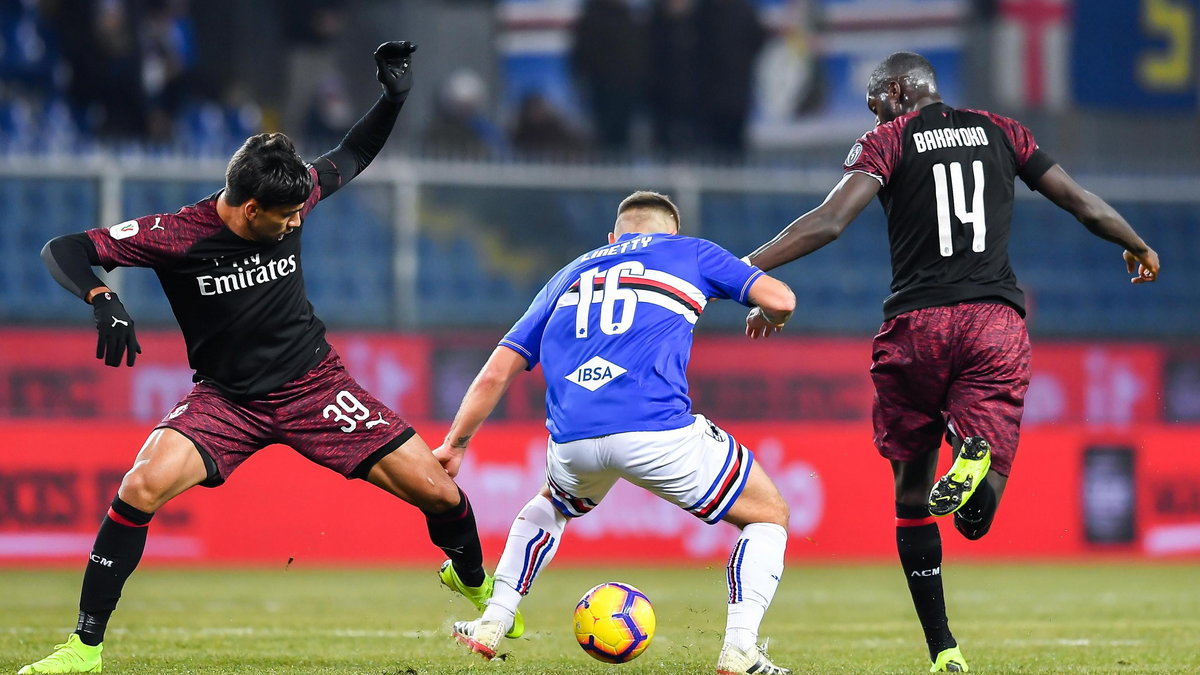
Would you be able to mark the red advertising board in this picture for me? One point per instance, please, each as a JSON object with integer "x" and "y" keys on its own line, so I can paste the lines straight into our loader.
{"x": 1076, "y": 491}
{"x": 53, "y": 374}
{"x": 1110, "y": 384}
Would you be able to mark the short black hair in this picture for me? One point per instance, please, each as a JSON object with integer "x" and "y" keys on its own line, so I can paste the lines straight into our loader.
{"x": 902, "y": 64}
{"x": 267, "y": 169}
{"x": 645, "y": 199}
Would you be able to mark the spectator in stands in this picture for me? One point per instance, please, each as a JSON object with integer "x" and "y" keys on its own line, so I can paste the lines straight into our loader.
{"x": 28, "y": 53}
{"x": 672, "y": 87}
{"x": 726, "y": 65}
{"x": 311, "y": 31}
{"x": 788, "y": 81}
{"x": 460, "y": 126}
{"x": 100, "y": 46}
{"x": 610, "y": 59}
{"x": 329, "y": 111}
{"x": 541, "y": 131}
{"x": 168, "y": 48}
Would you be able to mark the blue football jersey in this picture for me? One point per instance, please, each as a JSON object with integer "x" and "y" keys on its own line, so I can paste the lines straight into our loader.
{"x": 613, "y": 332}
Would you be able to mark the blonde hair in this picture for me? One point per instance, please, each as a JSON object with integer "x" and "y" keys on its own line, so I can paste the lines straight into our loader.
{"x": 646, "y": 199}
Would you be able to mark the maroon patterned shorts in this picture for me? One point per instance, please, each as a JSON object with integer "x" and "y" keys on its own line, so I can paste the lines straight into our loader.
{"x": 324, "y": 415}
{"x": 966, "y": 365}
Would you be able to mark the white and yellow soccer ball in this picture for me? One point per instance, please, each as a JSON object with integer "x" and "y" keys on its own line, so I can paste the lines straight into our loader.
{"x": 614, "y": 622}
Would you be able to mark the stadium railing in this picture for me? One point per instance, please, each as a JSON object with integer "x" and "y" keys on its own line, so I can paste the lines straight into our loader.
{"x": 420, "y": 244}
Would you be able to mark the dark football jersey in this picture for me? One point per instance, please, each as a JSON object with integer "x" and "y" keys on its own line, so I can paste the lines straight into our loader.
{"x": 948, "y": 190}
{"x": 241, "y": 305}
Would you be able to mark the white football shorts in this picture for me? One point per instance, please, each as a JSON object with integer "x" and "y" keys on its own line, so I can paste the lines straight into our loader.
{"x": 699, "y": 468}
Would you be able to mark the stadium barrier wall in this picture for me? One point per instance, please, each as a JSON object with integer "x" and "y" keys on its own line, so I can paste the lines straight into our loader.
{"x": 1077, "y": 491}
{"x": 52, "y": 374}
{"x": 1115, "y": 413}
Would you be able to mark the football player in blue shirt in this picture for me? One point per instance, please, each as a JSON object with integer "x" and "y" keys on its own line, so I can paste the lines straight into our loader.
{"x": 613, "y": 333}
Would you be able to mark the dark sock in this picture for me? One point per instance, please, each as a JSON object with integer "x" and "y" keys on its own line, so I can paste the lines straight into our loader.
{"x": 116, "y": 553}
{"x": 920, "y": 547}
{"x": 455, "y": 533}
{"x": 975, "y": 517}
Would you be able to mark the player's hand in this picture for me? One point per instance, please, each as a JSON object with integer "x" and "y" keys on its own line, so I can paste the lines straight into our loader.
{"x": 116, "y": 331}
{"x": 1145, "y": 264}
{"x": 757, "y": 325}
{"x": 393, "y": 68}
{"x": 450, "y": 458}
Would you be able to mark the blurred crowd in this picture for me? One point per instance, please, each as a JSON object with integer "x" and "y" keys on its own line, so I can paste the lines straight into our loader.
{"x": 79, "y": 73}
{"x": 646, "y": 74}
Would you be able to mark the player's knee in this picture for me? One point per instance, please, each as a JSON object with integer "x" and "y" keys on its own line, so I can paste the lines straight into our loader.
{"x": 141, "y": 491}
{"x": 779, "y": 512}
{"x": 440, "y": 498}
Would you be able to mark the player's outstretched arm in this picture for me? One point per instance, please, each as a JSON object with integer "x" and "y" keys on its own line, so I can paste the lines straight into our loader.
{"x": 774, "y": 304}
{"x": 485, "y": 392}
{"x": 1102, "y": 220}
{"x": 364, "y": 140}
{"x": 819, "y": 226}
{"x": 70, "y": 259}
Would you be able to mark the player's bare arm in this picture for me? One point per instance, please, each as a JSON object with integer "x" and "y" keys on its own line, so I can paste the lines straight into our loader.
{"x": 774, "y": 302}
{"x": 819, "y": 226}
{"x": 485, "y": 392}
{"x": 1102, "y": 220}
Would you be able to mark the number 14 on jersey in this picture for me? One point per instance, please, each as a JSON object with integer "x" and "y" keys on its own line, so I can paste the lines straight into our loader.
{"x": 976, "y": 217}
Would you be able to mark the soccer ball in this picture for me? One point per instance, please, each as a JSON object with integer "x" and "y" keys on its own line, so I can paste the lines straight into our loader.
{"x": 614, "y": 622}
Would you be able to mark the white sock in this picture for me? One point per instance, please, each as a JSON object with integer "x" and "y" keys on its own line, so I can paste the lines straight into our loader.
{"x": 531, "y": 544}
{"x": 752, "y": 576}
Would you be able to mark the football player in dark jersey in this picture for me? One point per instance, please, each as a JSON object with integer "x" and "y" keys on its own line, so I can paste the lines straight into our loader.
{"x": 952, "y": 355}
{"x": 230, "y": 266}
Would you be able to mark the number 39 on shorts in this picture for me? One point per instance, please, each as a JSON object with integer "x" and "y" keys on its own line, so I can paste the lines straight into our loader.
{"x": 348, "y": 411}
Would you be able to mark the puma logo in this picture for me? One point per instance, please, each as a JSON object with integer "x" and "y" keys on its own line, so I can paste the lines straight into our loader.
{"x": 375, "y": 423}
{"x": 118, "y": 321}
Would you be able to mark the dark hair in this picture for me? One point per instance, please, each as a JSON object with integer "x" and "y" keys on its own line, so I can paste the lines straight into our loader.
{"x": 267, "y": 169}
{"x": 645, "y": 199}
{"x": 902, "y": 64}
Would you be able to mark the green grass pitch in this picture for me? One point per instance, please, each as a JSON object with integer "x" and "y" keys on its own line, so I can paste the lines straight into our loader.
{"x": 1015, "y": 618}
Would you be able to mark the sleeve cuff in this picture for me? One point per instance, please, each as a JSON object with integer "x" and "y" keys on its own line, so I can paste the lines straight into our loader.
{"x": 1035, "y": 167}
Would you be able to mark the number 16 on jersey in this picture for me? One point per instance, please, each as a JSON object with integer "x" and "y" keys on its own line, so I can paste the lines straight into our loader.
{"x": 609, "y": 325}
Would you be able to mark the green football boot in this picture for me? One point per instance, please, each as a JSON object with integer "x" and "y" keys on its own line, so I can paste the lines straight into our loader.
{"x": 71, "y": 656}
{"x": 950, "y": 661}
{"x": 478, "y": 595}
{"x": 956, "y": 487}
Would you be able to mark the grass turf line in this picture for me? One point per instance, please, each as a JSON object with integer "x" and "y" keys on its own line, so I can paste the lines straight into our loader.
{"x": 1112, "y": 618}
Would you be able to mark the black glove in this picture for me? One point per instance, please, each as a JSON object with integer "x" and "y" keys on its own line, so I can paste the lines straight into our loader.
{"x": 116, "y": 330}
{"x": 393, "y": 68}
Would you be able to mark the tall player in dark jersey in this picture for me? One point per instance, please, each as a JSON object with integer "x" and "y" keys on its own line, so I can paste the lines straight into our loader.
{"x": 952, "y": 355}
{"x": 230, "y": 266}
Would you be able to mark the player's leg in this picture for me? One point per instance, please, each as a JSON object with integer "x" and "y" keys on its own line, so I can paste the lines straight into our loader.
{"x": 704, "y": 470}
{"x": 534, "y": 538}
{"x": 910, "y": 370}
{"x": 753, "y": 572}
{"x": 985, "y": 404}
{"x": 965, "y": 478}
{"x": 411, "y": 473}
{"x": 329, "y": 418}
{"x": 532, "y": 542}
{"x": 167, "y": 465}
{"x": 974, "y": 518}
{"x": 919, "y": 546}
